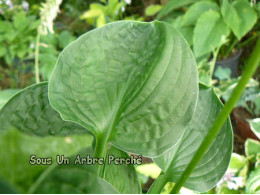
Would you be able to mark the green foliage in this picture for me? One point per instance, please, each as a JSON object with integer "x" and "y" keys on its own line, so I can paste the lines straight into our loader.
{"x": 253, "y": 182}
{"x": 215, "y": 162}
{"x": 152, "y": 9}
{"x": 204, "y": 41}
{"x": 239, "y": 16}
{"x": 196, "y": 10}
{"x": 252, "y": 148}
{"x": 124, "y": 178}
{"x": 84, "y": 179}
{"x": 107, "y": 99}
{"x": 32, "y": 102}
{"x": 210, "y": 24}
{"x": 80, "y": 181}
{"x": 5, "y": 95}
{"x": 17, "y": 37}
{"x": 50, "y": 47}
{"x": 186, "y": 31}
{"x": 18, "y": 147}
{"x": 238, "y": 163}
{"x": 222, "y": 73}
{"x": 138, "y": 92}
{"x": 73, "y": 180}
{"x": 243, "y": 172}
{"x": 250, "y": 99}
{"x": 98, "y": 14}
{"x": 172, "y": 5}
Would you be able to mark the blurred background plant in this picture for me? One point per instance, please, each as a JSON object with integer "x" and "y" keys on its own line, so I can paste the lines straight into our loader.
{"x": 221, "y": 33}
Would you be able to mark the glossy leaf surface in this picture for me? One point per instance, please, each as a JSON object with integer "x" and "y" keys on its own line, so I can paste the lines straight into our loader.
{"x": 131, "y": 83}
{"x": 216, "y": 160}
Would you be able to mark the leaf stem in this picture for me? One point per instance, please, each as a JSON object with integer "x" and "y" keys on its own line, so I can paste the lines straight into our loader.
{"x": 36, "y": 63}
{"x": 158, "y": 184}
{"x": 100, "y": 151}
{"x": 40, "y": 179}
{"x": 230, "y": 48}
{"x": 213, "y": 62}
{"x": 222, "y": 117}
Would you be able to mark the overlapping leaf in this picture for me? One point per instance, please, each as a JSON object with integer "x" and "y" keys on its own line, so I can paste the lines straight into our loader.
{"x": 131, "y": 83}
{"x": 215, "y": 162}
{"x": 196, "y": 10}
{"x": 210, "y": 32}
{"x": 83, "y": 178}
{"x": 253, "y": 182}
{"x": 29, "y": 111}
{"x": 74, "y": 180}
{"x": 17, "y": 148}
{"x": 239, "y": 16}
{"x": 186, "y": 31}
{"x": 172, "y": 5}
{"x": 123, "y": 177}
{"x": 5, "y": 95}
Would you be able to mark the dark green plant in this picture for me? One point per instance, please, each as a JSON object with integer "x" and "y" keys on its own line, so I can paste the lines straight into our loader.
{"x": 50, "y": 47}
{"x": 134, "y": 87}
{"x": 17, "y": 38}
{"x": 230, "y": 22}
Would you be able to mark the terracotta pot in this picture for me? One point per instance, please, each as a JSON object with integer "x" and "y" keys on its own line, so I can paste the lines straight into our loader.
{"x": 242, "y": 126}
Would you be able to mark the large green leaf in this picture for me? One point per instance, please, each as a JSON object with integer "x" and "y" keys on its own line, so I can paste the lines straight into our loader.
{"x": 133, "y": 84}
{"x": 239, "y": 16}
{"x": 66, "y": 179}
{"x": 123, "y": 177}
{"x": 210, "y": 32}
{"x": 17, "y": 148}
{"x": 5, "y": 95}
{"x": 29, "y": 111}
{"x": 215, "y": 162}
{"x": 197, "y": 9}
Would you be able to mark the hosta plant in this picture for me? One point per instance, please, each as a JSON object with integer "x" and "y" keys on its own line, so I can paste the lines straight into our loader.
{"x": 126, "y": 88}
